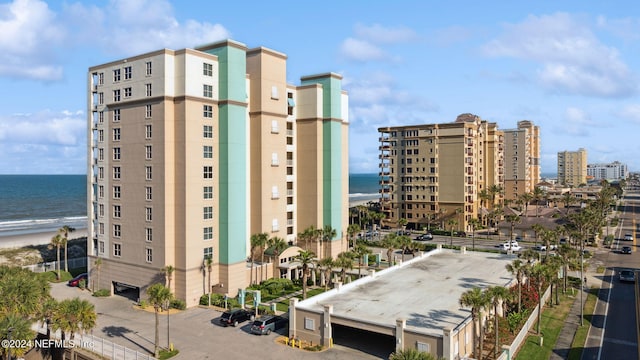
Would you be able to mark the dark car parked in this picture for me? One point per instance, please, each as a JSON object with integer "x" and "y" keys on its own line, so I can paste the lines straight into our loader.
{"x": 626, "y": 250}
{"x": 424, "y": 237}
{"x": 236, "y": 316}
{"x": 266, "y": 324}
{"x": 76, "y": 280}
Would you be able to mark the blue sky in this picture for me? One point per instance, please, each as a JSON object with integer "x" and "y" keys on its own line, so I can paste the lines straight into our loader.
{"x": 571, "y": 67}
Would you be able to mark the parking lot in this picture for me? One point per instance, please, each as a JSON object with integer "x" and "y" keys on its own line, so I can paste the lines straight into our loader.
{"x": 195, "y": 332}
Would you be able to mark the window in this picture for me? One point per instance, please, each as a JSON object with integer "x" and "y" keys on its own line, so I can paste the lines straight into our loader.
{"x": 274, "y": 126}
{"x": 147, "y": 89}
{"x": 274, "y": 225}
{"x": 116, "y": 134}
{"x": 116, "y": 115}
{"x": 147, "y": 111}
{"x": 148, "y": 152}
{"x": 290, "y": 103}
{"x": 207, "y": 111}
{"x": 147, "y": 131}
{"x": 208, "y": 131}
{"x": 208, "y": 233}
{"x": 102, "y": 246}
{"x": 423, "y": 347}
{"x": 127, "y": 92}
{"x": 101, "y": 154}
{"x": 274, "y": 92}
{"x": 101, "y": 231}
{"x": 148, "y": 234}
{"x": 116, "y": 172}
{"x": 208, "y": 212}
{"x": 101, "y": 117}
{"x": 101, "y": 98}
{"x": 116, "y": 192}
{"x": 100, "y": 135}
{"x": 274, "y": 159}
{"x": 148, "y": 193}
{"x": 127, "y": 73}
{"x": 116, "y": 95}
{"x": 101, "y": 173}
{"x": 117, "y": 250}
{"x": 117, "y": 230}
{"x": 116, "y": 75}
{"x": 149, "y": 255}
{"x": 207, "y": 69}
{"x": 101, "y": 210}
{"x": 208, "y": 192}
{"x": 208, "y": 253}
{"x": 148, "y": 173}
{"x": 274, "y": 192}
{"x": 116, "y": 153}
{"x": 101, "y": 79}
{"x": 149, "y": 68}
{"x": 101, "y": 191}
{"x": 207, "y": 91}
{"x": 208, "y": 152}
{"x": 148, "y": 213}
{"x": 309, "y": 324}
{"x": 208, "y": 172}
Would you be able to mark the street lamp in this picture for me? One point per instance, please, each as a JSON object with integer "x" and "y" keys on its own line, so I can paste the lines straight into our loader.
{"x": 168, "y": 308}
{"x": 583, "y": 282}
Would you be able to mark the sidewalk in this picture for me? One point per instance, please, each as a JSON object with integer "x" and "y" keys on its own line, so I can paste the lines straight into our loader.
{"x": 571, "y": 324}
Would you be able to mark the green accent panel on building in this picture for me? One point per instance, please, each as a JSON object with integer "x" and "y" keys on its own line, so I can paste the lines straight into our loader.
{"x": 233, "y": 179}
{"x": 331, "y": 95}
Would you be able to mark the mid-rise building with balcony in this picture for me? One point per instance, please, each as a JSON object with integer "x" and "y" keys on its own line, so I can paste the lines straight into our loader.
{"x": 521, "y": 159}
{"x": 572, "y": 167}
{"x": 614, "y": 171}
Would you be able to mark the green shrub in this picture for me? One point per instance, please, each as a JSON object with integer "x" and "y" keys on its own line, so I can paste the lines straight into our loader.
{"x": 143, "y": 304}
{"x": 516, "y": 319}
{"x": 178, "y": 304}
{"x": 216, "y": 300}
{"x": 82, "y": 284}
{"x": 102, "y": 293}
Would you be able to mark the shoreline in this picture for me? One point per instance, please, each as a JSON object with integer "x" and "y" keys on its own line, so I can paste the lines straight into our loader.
{"x": 36, "y": 238}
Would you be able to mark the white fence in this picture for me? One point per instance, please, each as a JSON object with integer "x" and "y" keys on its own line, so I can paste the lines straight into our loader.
{"x": 51, "y": 265}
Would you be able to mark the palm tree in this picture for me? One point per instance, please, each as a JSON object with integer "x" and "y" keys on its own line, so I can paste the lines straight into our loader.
{"x": 539, "y": 273}
{"x": 497, "y": 295}
{"x": 512, "y": 219}
{"x": 65, "y": 230}
{"x": 47, "y": 311}
{"x": 538, "y": 194}
{"x": 518, "y": 268}
{"x": 360, "y": 251}
{"x": 475, "y": 223}
{"x": 566, "y": 254}
{"x": 159, "y": 296}
{"x": 402, "y": 223}
{"x": 208, "y": 263}
{"x": 57, "y": 241}
{"x": 168, "y": 273}
{"x": 345, "y": 262}
{"x": 20, "y": 329}
{"x": 326, "y": 265}
{"x": 452, "y": 224}
{"x": 277, "y": 244}
{"x": 389, "y": 242}
{"x": 526, "y": 199}
{"x": 495, "y": 191}
{"x": 404, "y": 242}
{"x": 74, "y": 316}
{"x": 352, "y": 230}
{"x": 306, "y": 259}
{"x": 477, "y": 300}
{"x": 97, "y": 265}
{"x": 258, "y": 241}
{"x": 328, "y": 233}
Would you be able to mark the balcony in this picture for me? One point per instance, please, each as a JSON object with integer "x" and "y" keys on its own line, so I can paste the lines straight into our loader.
{"x": 384, "y": 165}
{"x": 384, "y": 147}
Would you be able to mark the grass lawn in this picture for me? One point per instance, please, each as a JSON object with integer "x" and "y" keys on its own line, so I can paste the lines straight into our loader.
{"x": 581, "y": 334}
{"x": 550, "y": 326}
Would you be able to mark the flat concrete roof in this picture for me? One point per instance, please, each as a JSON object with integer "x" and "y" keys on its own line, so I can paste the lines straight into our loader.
{"x": 425, "y": 291}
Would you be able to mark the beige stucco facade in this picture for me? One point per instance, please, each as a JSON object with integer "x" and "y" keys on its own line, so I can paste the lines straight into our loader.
{"x": 522, "y": 159}
{"x": 572, "y": 167}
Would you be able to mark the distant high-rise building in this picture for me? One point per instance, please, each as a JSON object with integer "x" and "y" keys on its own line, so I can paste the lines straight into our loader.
{"x": 572, "y": 167}
{"x": 521, "y": 159}
{"x": 435, "y": 173}
{"x": 190, "y": 152}
{"x": 611, "y": 172}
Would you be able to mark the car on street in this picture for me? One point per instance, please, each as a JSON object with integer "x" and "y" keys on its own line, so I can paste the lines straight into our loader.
{"x": 424, "y": 237}
{"x": 266, "y": 324}
{"x": 627, "y": 275}
{"x": 628, "y": 237}
{"x": 626, "y": 250}
{"x": 540, "y": 247}
{"x": 403, "y": 232}
{"x": 510, "y": 246}
{"x": 76, "y": 280}
{"x": 235, "y": 317}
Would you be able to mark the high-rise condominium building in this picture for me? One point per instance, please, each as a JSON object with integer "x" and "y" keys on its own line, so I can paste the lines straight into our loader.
{"x": 436, "y": 172}
{"x": 572, "y": 167}
{"x": 521, "y": 159}
{"x": 193, "y": 151}
{"x": 611, "y": 171}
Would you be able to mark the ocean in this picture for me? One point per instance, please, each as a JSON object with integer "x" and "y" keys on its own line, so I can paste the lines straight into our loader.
{"x": 41, "y": 203}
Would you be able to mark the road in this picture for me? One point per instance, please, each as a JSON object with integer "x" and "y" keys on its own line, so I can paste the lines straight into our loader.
{"x": 613, "y": 334}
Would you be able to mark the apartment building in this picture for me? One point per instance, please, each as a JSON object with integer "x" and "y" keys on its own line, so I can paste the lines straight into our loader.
{"x": 614, "y": 171}
{"x": 192, "y": 151}
{"x": 434, "y": 173}
{"x": 572, "y": 167}
{"x": 522, "y": 159}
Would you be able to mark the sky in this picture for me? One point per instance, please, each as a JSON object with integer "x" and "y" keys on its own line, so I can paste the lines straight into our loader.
{"x": 572, "y": 67}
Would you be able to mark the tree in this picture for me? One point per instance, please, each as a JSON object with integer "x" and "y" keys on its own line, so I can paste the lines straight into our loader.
{"x": 65, "y": 231}
{"x": 352, "y": 230}
{"x": 452, "y": 224}
{"x": 526, "y": 199}
{"x": 345, "y": 262}
{"x": 328, "y": 233}
{"x": 475, "y": 223}
{"x": 539, "y": 273}
{"x": 389, "y": 242}
{"x": 20, "y": 329}
{"x": 512, "y": 219}
{"x": 208, "y": 263}
{"x": 159, "y": 296}
{"x": 403, "y": 223}
{"x": 74, "y": 316}
{"x": 477, "y": 300}
{"x": 277, "y": 244}
{"x": 404, "y": 242}
{"x": 258, "y": 241}
{"x": 306, "y": 259}
{"x": 538, "y": 194}
{"x": 326, "y": 264}
{"x": 497, "y": 295}
{"x": 57, "y": 241}
{"x": 360, "y": 251}
{"x": 518, "y": 268}
{"x": 168, "y": 273}
{"x": 97, "y": 265}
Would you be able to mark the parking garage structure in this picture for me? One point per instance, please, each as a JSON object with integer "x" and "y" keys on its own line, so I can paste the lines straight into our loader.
{"x": 414, "y": 304}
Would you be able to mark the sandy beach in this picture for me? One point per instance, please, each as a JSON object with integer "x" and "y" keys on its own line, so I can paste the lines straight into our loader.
{"x": 33, "y": 239}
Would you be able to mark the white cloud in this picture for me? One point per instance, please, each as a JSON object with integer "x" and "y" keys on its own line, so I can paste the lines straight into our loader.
{"x": 364, "y": 47}
{"x": 573, "y": 59}
{"x": 361, "y": 50}
{"x": 30, "y": 33}
{"x": 384, "y": 35}
{"x": 630, "y": 112}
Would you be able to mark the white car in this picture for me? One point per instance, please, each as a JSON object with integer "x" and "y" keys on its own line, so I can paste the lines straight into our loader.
{"x": 628, "y": 237}
{"x": 513, "y": 246}
{"x": 541, "y": 247}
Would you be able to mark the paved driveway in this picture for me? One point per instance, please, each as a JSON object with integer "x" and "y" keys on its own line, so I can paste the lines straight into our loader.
{"x": 195, "y": 332}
